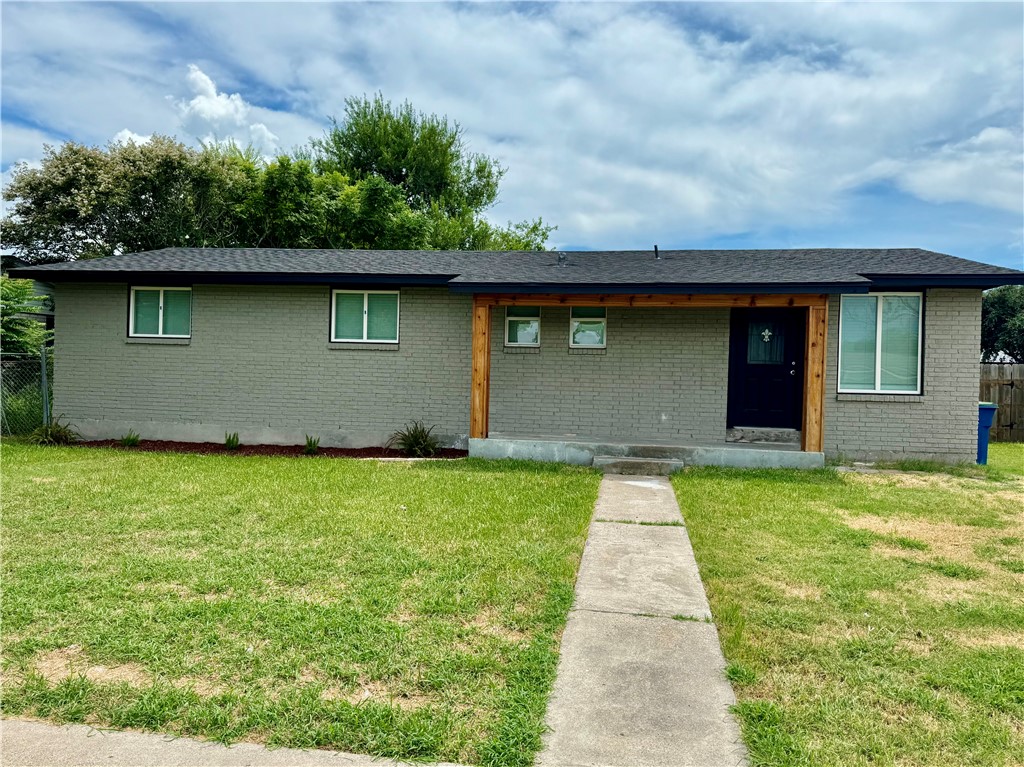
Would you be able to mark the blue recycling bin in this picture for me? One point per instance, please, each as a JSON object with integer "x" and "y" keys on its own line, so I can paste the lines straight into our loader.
{"x": 986, "y": 415}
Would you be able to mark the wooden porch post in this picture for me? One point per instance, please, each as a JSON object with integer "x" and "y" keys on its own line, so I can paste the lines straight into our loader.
{"x": 480, "y": 397}
{"x": 812, "y": 436}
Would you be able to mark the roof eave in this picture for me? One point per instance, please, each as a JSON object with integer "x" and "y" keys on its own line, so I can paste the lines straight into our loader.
{"x": 975, "y": 281}
{"x": 659, "y": 288}
{"x": 230, "y": 278}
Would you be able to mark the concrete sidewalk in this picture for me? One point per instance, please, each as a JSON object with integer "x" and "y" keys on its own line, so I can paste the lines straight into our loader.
{"x": 641, "y": 678}
{"x": 40, "y": 744}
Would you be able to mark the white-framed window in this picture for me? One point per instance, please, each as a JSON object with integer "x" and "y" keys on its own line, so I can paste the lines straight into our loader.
{"x": 160, "y": 313}
{"x": 364, "y": 316}
{"x": 880, "y": 343}
{"x": 522, "y": 326}
{"x": 588, "y": 327}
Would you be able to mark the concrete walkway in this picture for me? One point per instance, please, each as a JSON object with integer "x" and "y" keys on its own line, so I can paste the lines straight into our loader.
{"x": 39, "y": 744}
{"x": 641, "y": 677}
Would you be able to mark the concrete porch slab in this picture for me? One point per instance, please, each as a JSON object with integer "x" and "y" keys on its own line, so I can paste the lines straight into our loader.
{"x": 640, "y": 570}
{"x": 640, "y": 691}
{"x": 583, "y": 452}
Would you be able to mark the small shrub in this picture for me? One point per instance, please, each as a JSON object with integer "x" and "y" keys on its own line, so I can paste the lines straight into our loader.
{"x": 131, "y": 439}
{"x": 415, "y": 440}
{"x": 312, "y": 445}
{"x": 231, "y": 440}
{"x": 55, "y": 433}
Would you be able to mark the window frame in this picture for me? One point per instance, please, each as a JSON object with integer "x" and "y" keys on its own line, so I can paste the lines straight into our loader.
{"x": 160, "y": 315}
{"x": 881, "y": 295}
{"x": 366, "y": 316}
{"x": 573, "y": 320}
{"x": 532, "y": 317}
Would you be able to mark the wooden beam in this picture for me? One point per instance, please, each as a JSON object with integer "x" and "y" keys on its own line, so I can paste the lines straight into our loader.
{"x": 697, "y": 300}
{"x": 480, "y": 396}
{"x": 812, "y": 435}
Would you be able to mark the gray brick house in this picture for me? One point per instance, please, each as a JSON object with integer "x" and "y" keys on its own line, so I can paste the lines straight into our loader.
{"x": 797, "y": 353}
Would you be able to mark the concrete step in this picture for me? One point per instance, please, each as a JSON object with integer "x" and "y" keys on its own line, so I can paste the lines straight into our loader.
{"x": 756, "y": 435}
{"x": 651, "y": 467}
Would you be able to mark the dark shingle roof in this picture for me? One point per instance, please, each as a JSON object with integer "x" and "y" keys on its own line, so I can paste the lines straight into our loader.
{"x": 818, "y": 269}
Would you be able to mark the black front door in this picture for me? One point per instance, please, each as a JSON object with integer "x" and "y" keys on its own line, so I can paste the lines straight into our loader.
{"x": 766, "y": 368}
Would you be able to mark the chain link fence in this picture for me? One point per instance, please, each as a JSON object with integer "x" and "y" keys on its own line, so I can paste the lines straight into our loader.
{"x": 26, "y": 389}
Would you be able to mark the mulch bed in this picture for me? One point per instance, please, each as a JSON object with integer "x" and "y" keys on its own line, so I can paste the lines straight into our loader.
{"x": 294, "y": 451}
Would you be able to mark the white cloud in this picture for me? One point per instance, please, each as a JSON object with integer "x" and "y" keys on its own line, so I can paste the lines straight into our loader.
{"x": 212, "y": 116}
{"x": 986, "y": 168}
{"x": 125, "y": 136}
{"x": 622, "y": 124}
{"x": 209, "y": 106}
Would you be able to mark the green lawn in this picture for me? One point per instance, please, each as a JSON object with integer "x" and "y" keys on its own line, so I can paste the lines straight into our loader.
{"x": 1007, "y": 457}
{"x": 400, "y": 609}
{"x": 868, "y": 619}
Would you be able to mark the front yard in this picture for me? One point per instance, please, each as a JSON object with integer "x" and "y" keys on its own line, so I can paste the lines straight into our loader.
{"x": 413, "y": 610}
{"x": 868, "y": 618}
{"x": 400, "y": 609}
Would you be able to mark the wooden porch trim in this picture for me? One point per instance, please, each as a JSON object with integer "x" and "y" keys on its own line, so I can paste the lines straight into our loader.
{"x": 480, "y": 395}
{"x": 812, "y": 433}
{"x": 697, "y": 300}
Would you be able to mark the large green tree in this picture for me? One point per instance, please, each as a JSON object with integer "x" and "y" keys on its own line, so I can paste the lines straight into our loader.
{"x": 293, "y": 207}
{"x": 1002, "y": 323}
{"x": 86, "y": 202}
{"x": 381, "y": 177}
{"x": 427, "y": 157}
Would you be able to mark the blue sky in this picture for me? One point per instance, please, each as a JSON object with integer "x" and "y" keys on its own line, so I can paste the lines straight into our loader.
{"x": 686, "y": 125}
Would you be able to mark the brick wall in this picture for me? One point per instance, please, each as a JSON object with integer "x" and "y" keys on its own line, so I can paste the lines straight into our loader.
{"x": 259, "y": 363}
{"x": 663, "y": 376}
{"x": 942, "y": 422}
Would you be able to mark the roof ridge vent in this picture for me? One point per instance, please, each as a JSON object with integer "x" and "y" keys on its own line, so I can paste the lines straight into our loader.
{"x": 657, "y": 255}
{"x": 563, "y": 259}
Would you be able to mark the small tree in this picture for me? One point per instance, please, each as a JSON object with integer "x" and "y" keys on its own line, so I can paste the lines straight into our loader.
{"x": 20, "y": 334}
{"x": 1002, "y": 323}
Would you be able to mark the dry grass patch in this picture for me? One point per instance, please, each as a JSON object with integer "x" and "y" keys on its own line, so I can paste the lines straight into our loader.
{"x": 364, "y": 691}
{"x": 1010, "y": 489}
{"x": 369, "y": 691}
{"x": 939, "y": 588}
{"x": 976, "y": 548}
{"x": 807, "y": 591}
{"x": 66, "y": 662}
{"x": 490, "y": 623}
{"x": 995, "y": 638}
{"x": 942, "y": 537}
{"x": 174, "y": 589}
{"x": 912, "y": 479}
{"x": 202, "y": 686}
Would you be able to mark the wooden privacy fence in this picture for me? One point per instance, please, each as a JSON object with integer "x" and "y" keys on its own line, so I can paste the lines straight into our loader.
{"x": 1003, "y": 384}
